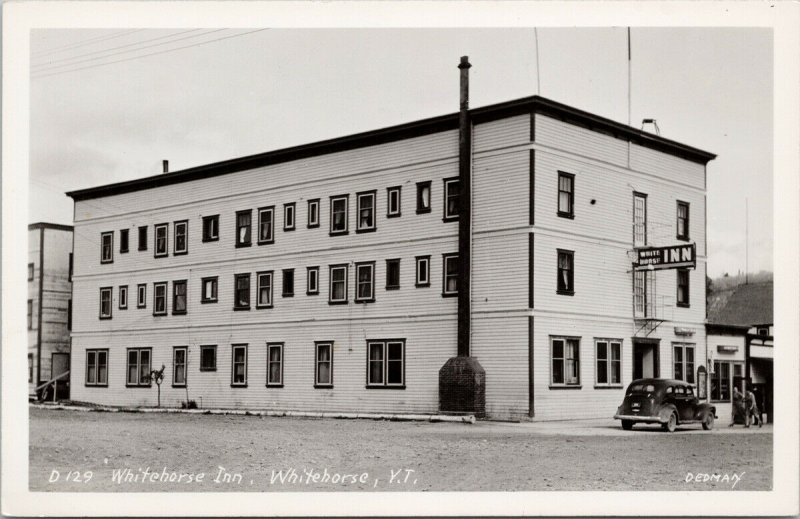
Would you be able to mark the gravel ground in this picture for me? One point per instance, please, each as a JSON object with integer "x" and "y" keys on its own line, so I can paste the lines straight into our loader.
{"x": 382, "y": 455}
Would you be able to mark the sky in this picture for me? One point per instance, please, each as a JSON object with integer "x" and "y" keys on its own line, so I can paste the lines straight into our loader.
{"x": 109, "y": 105}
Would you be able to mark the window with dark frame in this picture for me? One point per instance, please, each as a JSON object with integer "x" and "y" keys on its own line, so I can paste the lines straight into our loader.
{"x": 682, "y": 287}
{"x": 179, "y": 297}
{"x": 181, "y": 245}
{"x": 452, "y": 188}
{"x": 209, "y": 290}
{"x": 721, "y": 382}
{"x": 241, "y": 283}
{"x": 208, "y": 358}
{"x": 264, "y": 289}
{"x": 161, "y": 233}
{"x": 312, "y": 281}
{"x": 386, "y": 363}
{"x": 141, "y": 295}
{"x": 566, "y": 194}
{"x": 30, "y": 271}
{"x": 160, "y": 298}
{"x": 96, "y": 367}
{"x": 313, "y": 213}
{"x": 423, "y": 274}
{"x": 123, "y": 297}
{"x": 105, "y": 303}
{"x": 288, "y": 216}
{"x": 123, "y": 241}
{"x": 266, "y": 225}
{"x": 30, "y": 314}
{"x": 683, "y": 220}
{"x": 275, "y": 364}
{"x": 138, "y": 367}
{"x": 566, "y": 262}
{"x": 424, "y": 197}
{"x": 239, "y": 365}
{"x": 107, "y": 247}
{"x": 565, "y": 361}
{"x": 365, "y": 203}
{"x": 392, "y": 274}
{"x": 393, "y": 202}
{"x": 339, "y": 214}
{"x": 323, "y": 371}
{"x": 338, "y": 284}
{"x": 365, "y": 282}
{"x": 210, "y": 228}
{"x": 243, "y": 224}
{"x": 287, "y": 286}
{"x": 30, "y": 368}
{"x": 683, "y": 362}
{"x": 179, "y": 366}
{"x": 449, "y": 274}
{"x": 143, "y": 237}
{"x": 608, "y": 355}
{"x": 639, "y": 219}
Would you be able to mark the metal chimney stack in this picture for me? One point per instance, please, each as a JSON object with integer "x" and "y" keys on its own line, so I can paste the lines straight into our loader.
{"x": 165, "y": 166}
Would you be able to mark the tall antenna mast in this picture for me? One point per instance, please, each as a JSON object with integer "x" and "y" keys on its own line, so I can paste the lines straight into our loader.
{"x": 746, "y": 240}
{"x": 629, "y": 76}
{"x": 538, "y": 81}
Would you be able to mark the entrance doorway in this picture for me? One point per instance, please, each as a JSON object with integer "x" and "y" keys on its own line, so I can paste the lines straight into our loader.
{"x": 645, "y": 358}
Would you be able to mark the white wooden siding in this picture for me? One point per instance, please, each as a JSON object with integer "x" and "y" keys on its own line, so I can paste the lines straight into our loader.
{"x": 667, "y": 166}
{"x": 580, "y": 141}
{"x": 502, "y": 133}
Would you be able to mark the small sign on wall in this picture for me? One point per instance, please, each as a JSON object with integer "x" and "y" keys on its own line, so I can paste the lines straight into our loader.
{"x": 702, "y": 383}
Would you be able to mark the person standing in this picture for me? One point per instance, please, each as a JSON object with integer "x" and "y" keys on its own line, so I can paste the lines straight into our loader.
{"x": 737, "y": 409}
{"x": 751, "y": 407}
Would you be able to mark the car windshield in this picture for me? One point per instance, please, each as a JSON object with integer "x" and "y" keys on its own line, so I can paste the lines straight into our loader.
{"x": 642, "y": 388}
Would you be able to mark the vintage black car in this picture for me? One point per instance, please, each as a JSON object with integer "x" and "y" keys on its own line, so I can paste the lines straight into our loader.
{"x": 665, "y": 401}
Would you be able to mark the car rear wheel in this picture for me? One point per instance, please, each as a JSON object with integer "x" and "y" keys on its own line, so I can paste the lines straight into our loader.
{"x": 627, "y": 425}
{"x": 708, "y": 422}
{"x": 672, "y": 423}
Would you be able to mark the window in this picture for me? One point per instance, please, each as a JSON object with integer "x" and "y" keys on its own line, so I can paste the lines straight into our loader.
{"x": 161, "y": 232}
{"x": 96, "y": 367}
{"x": 208, "y": 358}
{"x": 275, "y": 365}
{"x": 123, "y": 297}
{"x": 338, "y": 284}
{"x": 683, "y": 361}
{"x": 266, "y": 225}
{"x": 566, "y": 272}
{"x": 313, "y": 213}
{"x": 181, "y": 245}
{"x": 392, "y": 274}
{"x": 243, "y": 221}
{"x": 288, "y": 283}
{"x": 30, "y": 314}
{"x": 683, "y": 287}
{"x": 566, "y": 194}
{"x": 211, "y": 228}
{"x": 323, "y": 372}
{"x": 366, "y": 212}
{"x": 609, "y": 362}
{"x": 683, "y": 220}
{"x": 393, "y": 202}
{"x": 179, "y": 297}
{"x": 160, "y": 298}
{"x": 179, "y": 366}
{"x": 123, "y": 240}
{"x": 288, "y": 216}
{"x": 565, "y": 354}
{"x": 452, "y": 187}
{"x": 30, "y": 368}
{"x": 365, "y": 282}
{"x": 264, "y": 287}
{"x": 107, "y": 247}
{"x": 639, "y": 220}
{"x": 721, "y": 381}
{"x": 386, "y": 363}
{"x": 643, "y": 291}
{"x": 763, "y": 332}
{"x": 141, "y": 295}
{"x": 105, "y": 303}
{"x": 339, "y": 214}
{"x": 138, "y": 367}
{"x": 143, "y": 237}
{"x": 30, "y": 271}
{"x": 209, "y": 290}
{"x": 423, "y": 271}
{"x": 239, "y": 365}
{"x": 449, "y": 274}
{"x": 424, "y": 197}
{"x": 241, "y": 283}
{"x": 312, "y": 281}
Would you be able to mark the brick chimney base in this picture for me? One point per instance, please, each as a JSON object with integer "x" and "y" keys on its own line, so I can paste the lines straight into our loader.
{"x": 462, "y": 387}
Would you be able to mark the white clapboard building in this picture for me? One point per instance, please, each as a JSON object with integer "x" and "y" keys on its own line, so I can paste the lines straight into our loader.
{"x": 483, "y": 261}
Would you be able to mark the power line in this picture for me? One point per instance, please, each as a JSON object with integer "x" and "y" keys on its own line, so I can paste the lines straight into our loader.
{"x": 39, "y": 76}
{"x": 83, "y": 43}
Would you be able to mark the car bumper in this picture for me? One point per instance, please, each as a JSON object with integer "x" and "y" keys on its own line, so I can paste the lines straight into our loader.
{"x": 639, "y": 418}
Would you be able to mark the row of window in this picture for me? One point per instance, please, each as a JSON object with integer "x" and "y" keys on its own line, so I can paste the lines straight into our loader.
{"x": 337, "y": 286}
{"x": 385, "y": 364}
{"x": 565, "y": 357}
{"x": 339, "y": 225}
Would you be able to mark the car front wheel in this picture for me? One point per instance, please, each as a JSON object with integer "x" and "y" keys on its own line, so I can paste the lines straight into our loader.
{"x": 627, "y": 425}
{"x": 672, "y": 423}
{"x": 708, "y": 422}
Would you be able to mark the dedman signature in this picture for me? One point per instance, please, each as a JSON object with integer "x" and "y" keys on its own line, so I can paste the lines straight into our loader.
{"x": 699, "y": 477}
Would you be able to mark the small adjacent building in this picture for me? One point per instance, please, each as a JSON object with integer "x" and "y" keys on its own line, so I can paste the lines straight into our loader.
{"x": 49, "y": 303}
